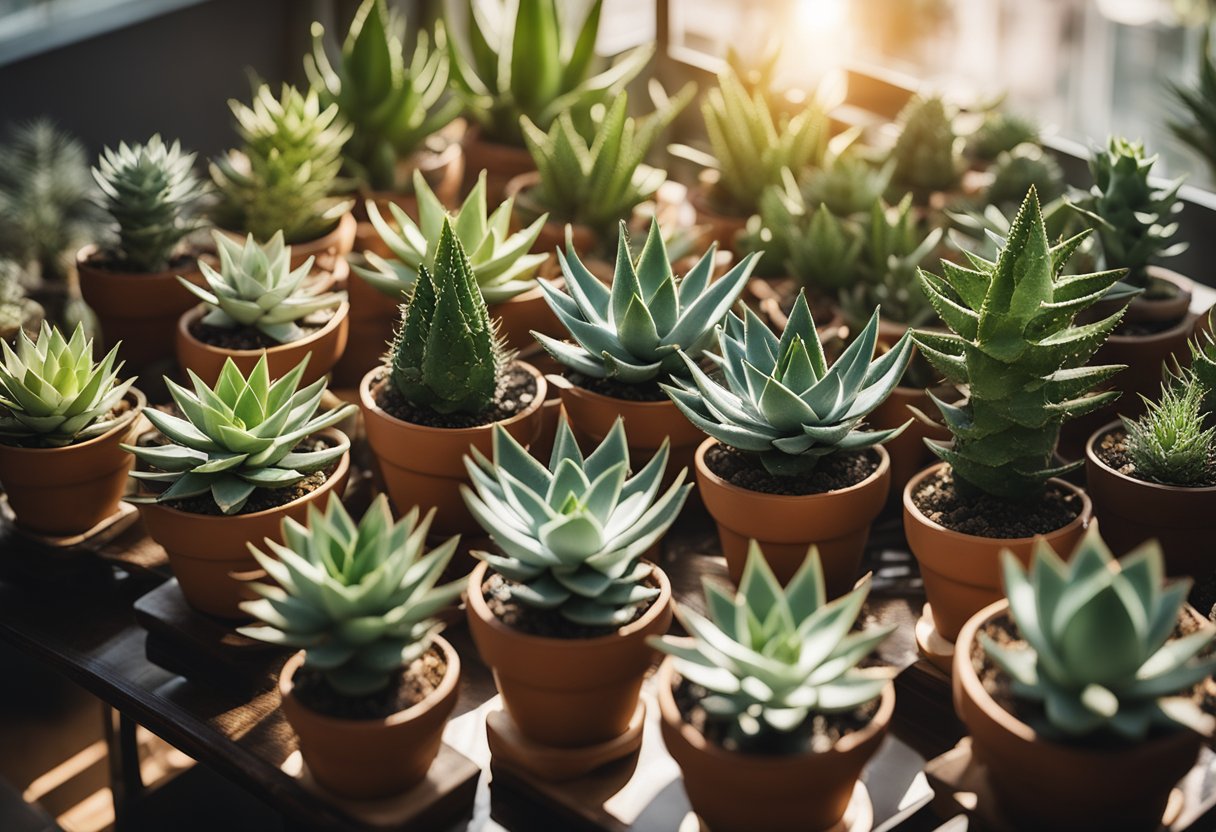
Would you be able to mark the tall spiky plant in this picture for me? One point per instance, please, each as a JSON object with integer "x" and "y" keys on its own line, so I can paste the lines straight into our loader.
{"x": 927, "y": 154}
{"x": 1197, "y": 129}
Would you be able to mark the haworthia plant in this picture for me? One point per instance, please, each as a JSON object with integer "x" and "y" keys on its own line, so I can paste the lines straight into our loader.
{"x": 1169, "y": 443}
{"x": 927, "y": 153}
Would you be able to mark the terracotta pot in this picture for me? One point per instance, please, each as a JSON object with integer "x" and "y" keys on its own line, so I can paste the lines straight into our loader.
{"x": 204, "y": 549}
{"x": 443, "y": 171}
{"x": 424, "y": 466}
{"x": 724, "y": 228}
{"x": 373, "y": 320}
{"x": 328, "y": 248}
{"x": 325, "y": 346}
{"x": 1143, "y": 309}
{"x": 501, "y": 162}
{"x": 69, "y": 490}
{"x": 138, "y": 309}
{"x": 838, "y": 522}
{"x": 908, "y": 451}
{"x": 731, "y": 791}
{"x": 767, "y": 293}
{"x": 371, "y": 758}
{"x": 1040, "y": 784}
{"x": 521, "y": 315}
{"x": 1132, "y": 511}
{"x": 552, "y": 235}
{"x": 568, "y": 693}
{"x": 962, "y": 572}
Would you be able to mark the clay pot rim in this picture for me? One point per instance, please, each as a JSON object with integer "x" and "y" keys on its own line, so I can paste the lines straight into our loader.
{"x": 346, "y": 225}
{"x": 671, "y": 714}
{"x": 698, "y": 196}
{"x": 190, "y": 315}
{"x": 1184, "y": 326}
{"x": 1009, "y": 542}
{"x": 123, "y": 424}
{"x": 368, "y": 401}
{"x": 884, "y": 465}
{"x": 576, "y": 390}
{"x": 339, "y": 473}
{"x": 1092, "y": 455}
{"x": 475, "y": 134}
{"x": 446, "y": 687}
{"x": 86, "y": 252}
{"x": 477, "y": 603}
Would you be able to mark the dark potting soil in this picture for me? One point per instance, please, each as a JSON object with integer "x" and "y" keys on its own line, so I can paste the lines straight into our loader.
{"x": 249, "y": 337}
{"x": 407, "y": 688}
{"x": 109, "y": 261}
{"x": 1112, "y": 450}
{"x": 647, "y": 391}
{"x": 515, "y": 394}
{"x": 1141, "y": 329}
{"x": 986, "y": 516}
{"x": 116, "y": 412}
{"x": 537, "y": 622}
{"x": 833, "y": 473}
{"x": 818, "y": 734}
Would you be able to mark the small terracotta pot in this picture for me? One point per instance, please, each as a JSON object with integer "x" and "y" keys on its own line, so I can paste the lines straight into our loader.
{"x": 373, "y": 320}
{"x": 138, "y": 309}
{"x": 1143, "y": 309}
{"x": 424, "y": 466}
{"x": 501, "y": 162}
{"x": 724, "y": 228}
{"x": 838, "y": 522}
{"x": 69, "y": 490}
{"x": 521, "y": 315}
{"x": 371, "y": 758}
{"x": 790, "y": 793}
{"x": 1132, "y": 511}
{"x": 552, "y": 235}
{"x": 962, "y": 572}
{"x": 767, "y": 293}
{"x": 328, "y": 248}
{"x": 908, "y": 451}
{"x": 568, "y": 693}
{"x": 204, "y": 549}
{"x": 325, "y": 346}
{"x": 443, "y": 171}
{"x": 1041, "y": 784}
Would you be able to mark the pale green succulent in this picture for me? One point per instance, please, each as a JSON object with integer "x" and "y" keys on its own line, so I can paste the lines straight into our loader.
{"x": 780, "y": 400}
{"x": 1099, "y": 655}
{"x": 1169, "y": 443}
{"x": 500, "y": 260}
{"x": 236, "y": 437}
{"x": 635, "y": 330}
{"x": 848, "y": 185}
{"x": 359, "y": 599}
{"x": 572, "y": 535}
{"x": 52, "y": 393}
{"x": 256, "y": 287}
{"x": 770, "y": 657}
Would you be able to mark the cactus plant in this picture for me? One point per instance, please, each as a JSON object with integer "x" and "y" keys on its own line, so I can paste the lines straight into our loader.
{"x": 1016, "y": 170}
{"x": 359, "y": 599}
{"x": 849, "y": 185}
{"x": 893, "y": 248}
{"x": 572, "y": 535}
{"x": 1169, "y": 443}
{"x": 926, "y": 154}
{"x": 1000, "y": 132}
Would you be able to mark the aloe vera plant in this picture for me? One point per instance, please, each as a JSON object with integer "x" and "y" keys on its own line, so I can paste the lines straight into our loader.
{"x": 895, "y": 245}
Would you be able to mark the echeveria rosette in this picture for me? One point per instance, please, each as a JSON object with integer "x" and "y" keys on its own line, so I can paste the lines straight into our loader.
{"x": 635, "y": 331}
{"x": 572, "y": 535}
{"x": 1099, "y": 654}
{"x": 770, "y": 657}
{"x": 779, "y": 399}
{"x": 359, "y": 599}
{"x": 236, "y": 437}
{"x": 52, "y": 393}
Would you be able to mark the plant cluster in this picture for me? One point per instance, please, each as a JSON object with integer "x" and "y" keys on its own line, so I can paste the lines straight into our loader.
{"x": 848, "y": 185}
{"x": 1015, "y": 171}
{"x": 894, "y": 247}
{"x": 1169, "y": 443}
{"x": 927, "y": 153}
{"x": 1000, "y": 132}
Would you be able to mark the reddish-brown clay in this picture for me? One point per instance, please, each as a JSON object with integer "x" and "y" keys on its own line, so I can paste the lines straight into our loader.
{"x": 1132, "y": 511}
{"x": 908, "y": 451}
{"x": 789, "y": 793}
{"x": 962, "y": 572}
{"x": 424, "y": 466}
{"x": 568, "y": 693}
{"x": 204, "y": 549}
{"x": 501, "y": 162}
{"x": 373, "y": 319}
{"x": 1046, "y": 785}
{"x": 371, "y": 758}
{"x": 443, "y": 171}
{"x": 724, "y": 228}
{"x": 838, "y": 522}
{"x": 69, "y": 490}
{"x": 552, "y": 235}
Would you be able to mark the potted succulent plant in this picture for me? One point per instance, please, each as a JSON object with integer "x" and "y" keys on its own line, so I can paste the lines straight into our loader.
{"x": 628, "y": 338}
{"x": 446, "y": 384}
{"x": 562, "y": 610}
{"x": 257, "y": 306}
{"x": 766, "y": 699}
{"x": 154, "y": 199}
{"x": 927, "y": 154}
{"x": 1081, "y": 693}
{"x": 373, "y": 684}
{"x": 63, "y": 419}
{"x": 18, "y": 313}
{"x": 999, "y": 132}
{"x": 787, "y": 464}
{"x": 396, "y": 111}
{"x": 284, "y": 177}
{"x": 227, "y": 466}
{"x": 1015, "y": 170}
{"x": 1014, "y": 347}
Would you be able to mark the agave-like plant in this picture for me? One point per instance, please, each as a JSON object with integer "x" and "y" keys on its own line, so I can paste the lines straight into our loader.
{"x": 635, "y": 331}
{"x": 778, "y": 399}
{"x": 572, "y": 535}
{"x": 52, "y": 393}
{"x": 359, "y": 599}
{"x": 1099, "y": 655}
{"x": 236, "y": 437}
{"x": 500, "y": 260}
{"x": 770, "y": 657}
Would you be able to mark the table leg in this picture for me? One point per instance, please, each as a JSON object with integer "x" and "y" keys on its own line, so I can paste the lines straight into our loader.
{"x": 126, "y": 782}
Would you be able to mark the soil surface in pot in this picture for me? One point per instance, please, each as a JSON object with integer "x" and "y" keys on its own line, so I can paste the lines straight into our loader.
{"x": 1112, "y": 450}
{"x": 544, "y": 623}
{"x": 986, "y": 516}
{"x": 833, "y": 472}
{"x": 108, "y": 261}
{"x": 407, "y": 688}
{"x": 115, "y": 412}
{"x": 250, "y": 337}
{"x": 515, "y": 394}
{"x": 647, "y": 391}
{"x": 816, "y": 735}
{"x": 822, "y": 309}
